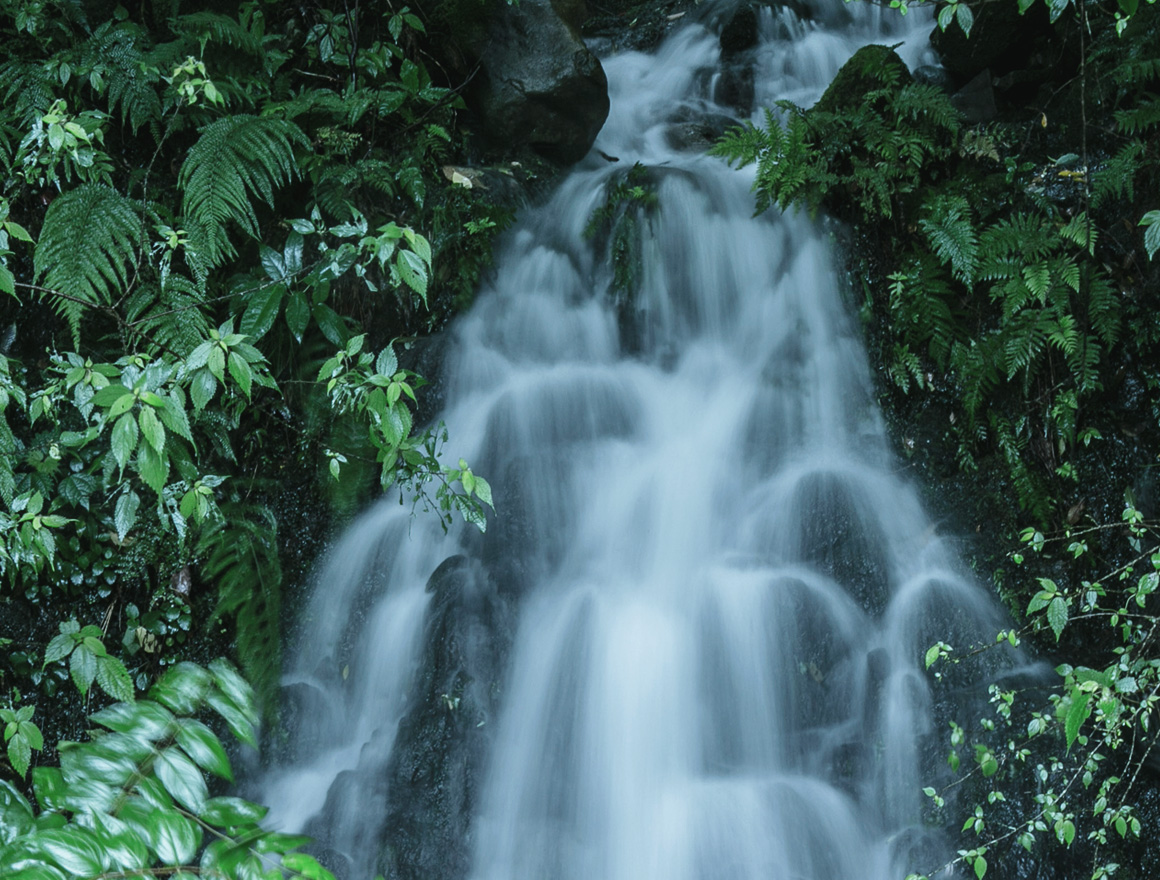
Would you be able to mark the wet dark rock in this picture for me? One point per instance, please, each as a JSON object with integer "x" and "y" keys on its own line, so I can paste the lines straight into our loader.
{"x": 734, "y": 87}
{"x": 740, "y": 31}
{"x": 539, "y": 84}
{"x": 933, "y": 75}
{"x": 438, "y": 763}
{"x": 698, "y": 133}
{"x": 976, "y": 100}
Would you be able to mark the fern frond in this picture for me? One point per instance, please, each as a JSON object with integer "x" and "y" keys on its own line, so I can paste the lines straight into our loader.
{"x": 239, "y": 554}
{"x": 115, "y": 51}
{"x": 90, "y": 241}
{"x": 952, "y": 235}
{"x": 1103, "y": 308}
{"x": 27, "y": 89}
{"x": 212, "y": 27}
{"x": 1116, "y": 179}
{"x": 234, "y": 160}
{"x": 171, "y": 315}
{"x": 1141, "y": 118}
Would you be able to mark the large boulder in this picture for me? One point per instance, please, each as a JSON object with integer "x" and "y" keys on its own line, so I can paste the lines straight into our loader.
{"x": 539, "y": 85}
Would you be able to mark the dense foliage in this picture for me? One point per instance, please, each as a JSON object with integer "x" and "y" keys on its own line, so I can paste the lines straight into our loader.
{"x": 210, "y": 267}
{"x": 1012, "y": 304}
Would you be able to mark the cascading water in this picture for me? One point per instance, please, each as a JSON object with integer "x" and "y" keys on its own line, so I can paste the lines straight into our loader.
{"x": 724, "y": 591}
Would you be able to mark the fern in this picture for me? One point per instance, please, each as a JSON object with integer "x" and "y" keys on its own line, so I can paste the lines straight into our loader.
{"x": 171, "y": 315}
{"x": 90, "y": 241}
{"x": 952, "y": 235}
{"x": 27, "y": 89}
{"x": 239, "y": 553}
{"x": 1115, "y": 180}
{"x": 234, "y": 160}
{"x": 212, "y": 27}
{"x": 114, "y": 52}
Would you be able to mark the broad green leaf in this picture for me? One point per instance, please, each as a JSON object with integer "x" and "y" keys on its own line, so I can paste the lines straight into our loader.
{"x": 174, "y": 418}
{"x": 16, "y": 816}
{"x": 261, "y": 310}
{"x": 202, "y": 388}
{"x": 226, "y": 812}
{"x": 83, "y": 668}
{"x": 413, "y": 271}
{"x": 153, "y": 468}
{"x": 297, "y": 315}
{"x": 181, "y": 779}
{"x": 182, "y": 688}
{"x": 173, "y": 837}
{"x": 19, "y": 754}
{"x": 980, "y": 867}
{"x": 1057, "y": 615}
{"x": 217, "y": 363}
{"x": 144, "y": 719}
{"x": 200, "y": 743}
{"x": 306, "y": 865}
{"x": 240, "y": 370}
{"x": 151, "y": 428}
{"x": 1077, "y": 714}
{"x": 125, "y": 513}
{"x": 110, "y": 394}
{"x": 330, "y": 324}
{"x": 59, "y": 648}
{"x": 387, "y": 363}
{"x": 74, "y": 849}
{"x": 114, "y": 679}
{"x": 124, "y": 438}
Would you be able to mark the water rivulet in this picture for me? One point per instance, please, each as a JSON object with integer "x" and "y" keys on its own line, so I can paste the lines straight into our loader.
{"x": 690, "y": 644}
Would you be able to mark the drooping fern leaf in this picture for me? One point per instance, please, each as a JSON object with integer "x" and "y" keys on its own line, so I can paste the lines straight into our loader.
{"x": 91, "y": 239}
{"x": 235, "y": 159}
{"x": 212, "y": 27}
{"x": 239, "y": 554}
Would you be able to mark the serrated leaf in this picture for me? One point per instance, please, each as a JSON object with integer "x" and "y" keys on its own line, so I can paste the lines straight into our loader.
{"x": 59, "y": 648}
{"x": 19, "y": 755}
{"x": 83, "y": 668}
{"x": 151, "y": 428}
{"x": 387, "y": 362}
{"x": 124, "y": 438}
{"x": 173, "y": 837}
{"x": 1057, "y": 615}
{"x": 125, "y": 513}
{"x": 153, "y": 468}
{"x": 202, "y": 389}
{"x": 1077, "y": 714}
{"x": 114, "y": 680}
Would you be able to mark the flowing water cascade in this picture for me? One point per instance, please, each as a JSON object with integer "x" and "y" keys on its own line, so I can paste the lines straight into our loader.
{"x": 722, "y": 585}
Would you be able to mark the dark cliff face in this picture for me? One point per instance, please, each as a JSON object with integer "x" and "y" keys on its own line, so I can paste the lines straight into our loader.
{"x": 438, "y": 764}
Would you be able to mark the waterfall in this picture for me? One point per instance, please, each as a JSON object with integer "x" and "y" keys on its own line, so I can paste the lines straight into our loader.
{"x": 719, "y": 585}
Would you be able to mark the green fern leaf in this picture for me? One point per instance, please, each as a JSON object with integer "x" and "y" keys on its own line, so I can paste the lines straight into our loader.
{"x": 240, "y": 556}
{"x": 235, "y": 159}
{"x": 952, "y": 235}
{"x": 91, "y": 239}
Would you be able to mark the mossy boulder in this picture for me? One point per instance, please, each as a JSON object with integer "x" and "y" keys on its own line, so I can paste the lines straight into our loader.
{"x": 868, "y": 69}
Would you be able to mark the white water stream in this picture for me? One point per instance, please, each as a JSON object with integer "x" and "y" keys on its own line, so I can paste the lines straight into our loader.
{"x": 726, "y": 588}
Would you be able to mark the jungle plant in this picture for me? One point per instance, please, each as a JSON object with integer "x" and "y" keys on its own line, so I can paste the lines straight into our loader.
{"x": 1068, "y": 768}
{"x": 135, "y": 800}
